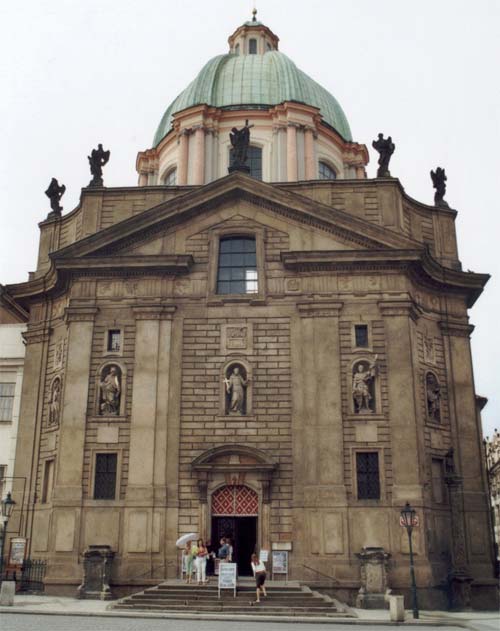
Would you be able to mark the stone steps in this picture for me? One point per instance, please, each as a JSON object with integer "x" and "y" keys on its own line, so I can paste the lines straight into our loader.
{"x": 282, "y": 600}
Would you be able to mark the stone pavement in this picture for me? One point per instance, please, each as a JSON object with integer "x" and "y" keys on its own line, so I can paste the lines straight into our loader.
{"x": 65, "y": 606}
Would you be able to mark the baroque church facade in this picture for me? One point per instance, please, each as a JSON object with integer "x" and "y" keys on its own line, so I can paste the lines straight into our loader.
{"x": 281, "y": 355}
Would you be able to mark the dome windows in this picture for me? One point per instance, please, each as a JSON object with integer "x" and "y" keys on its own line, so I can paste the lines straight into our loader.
{"x": 325, "y": 172}
{"x": 170, "y": 178}
{"x": 252, "y": 46}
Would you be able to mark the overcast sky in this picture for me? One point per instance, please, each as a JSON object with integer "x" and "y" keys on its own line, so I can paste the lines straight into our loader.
{"x": 75, "y": 73}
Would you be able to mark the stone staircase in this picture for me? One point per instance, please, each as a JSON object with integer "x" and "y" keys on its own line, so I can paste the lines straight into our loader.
{"x": 289, "y": 599}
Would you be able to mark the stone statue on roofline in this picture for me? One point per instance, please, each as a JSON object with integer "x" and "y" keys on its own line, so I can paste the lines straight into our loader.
{"x": 240, "y": 141}
{"x": 54, "y": 193}
{"x": 385, "y": 148}
{"x": 97, "y": 159}
{"x": 439, "y": 178}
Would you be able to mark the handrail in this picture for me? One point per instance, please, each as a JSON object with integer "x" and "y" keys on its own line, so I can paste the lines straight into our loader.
{"x": 332, "y": 578}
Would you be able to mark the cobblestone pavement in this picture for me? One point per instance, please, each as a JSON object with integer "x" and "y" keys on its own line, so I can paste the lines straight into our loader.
{"x": 28, "y": 622}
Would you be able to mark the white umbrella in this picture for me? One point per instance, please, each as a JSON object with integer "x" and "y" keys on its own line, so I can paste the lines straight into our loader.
{"x": 181, "y": 542}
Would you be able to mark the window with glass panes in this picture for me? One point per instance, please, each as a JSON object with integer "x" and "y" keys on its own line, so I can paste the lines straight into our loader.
{"x": 254, "y": 161}
{"x": 361, "y": 335}
{"x": 237, "y": 269}
{"x": 114, "y": 340}
{"x": 326, "y": 172}
{"x": 367, "y": 475}
{"x": 6, "y": 401}
{"x": 171, "y": 178}
{"x": 252, "y": 47}
{"x": 105, "y": 476}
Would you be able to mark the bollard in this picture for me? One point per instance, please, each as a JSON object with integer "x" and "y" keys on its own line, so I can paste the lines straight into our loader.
{"x": 7, "y": 592}
{"x": 397, "y": 608}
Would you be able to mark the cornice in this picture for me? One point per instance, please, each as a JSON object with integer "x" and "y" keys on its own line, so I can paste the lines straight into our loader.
{"x": 37, "y": 333}
{"x": 12, "y": 306}
{"x": 124, "y": 265}
{"x": 154, "y": 312}
{"x": 319, "y": 309}
{"x": 80, "y": 313}
{"x": 398, "y": 308}
{"x": 456, "y": 329}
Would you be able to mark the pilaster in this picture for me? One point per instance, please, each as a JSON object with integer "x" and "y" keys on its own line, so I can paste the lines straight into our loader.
{"x": 291, "y": 152}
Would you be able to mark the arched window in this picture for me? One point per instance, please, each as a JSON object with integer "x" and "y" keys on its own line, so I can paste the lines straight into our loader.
{"x": 170, "y": 178}
{"x": 252, "y": 47}
{"x": 237, "y": 269}
{"x": 326, "y": 172}
{"x": 255, "y": 162}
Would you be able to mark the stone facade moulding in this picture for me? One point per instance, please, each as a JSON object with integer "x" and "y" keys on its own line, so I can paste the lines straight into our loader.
{"x": 319, "y": 309}
{"x": 80, "y": 314}
{"x": 398, "y": 308}
{"x": 234, "y": 459}
{"x": 154, "y": 312}
{"x": 37, "y": 334}
{"x": 457, "y": 329}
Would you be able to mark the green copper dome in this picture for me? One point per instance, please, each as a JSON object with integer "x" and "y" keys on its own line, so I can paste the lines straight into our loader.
{"x": 254, "y": 80}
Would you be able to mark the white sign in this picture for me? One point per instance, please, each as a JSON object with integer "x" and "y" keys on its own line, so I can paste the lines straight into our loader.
{"x": 227, "y": 577}
{"x": 264, "y": 556}
{"x": 280, "y": 562}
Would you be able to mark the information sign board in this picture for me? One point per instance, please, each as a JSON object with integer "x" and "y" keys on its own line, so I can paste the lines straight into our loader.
{"x": 17, "y": 549}
{"x": 264, "y": 556}
{"x": 280, "y": 562}
{"x": 227, "y": 577}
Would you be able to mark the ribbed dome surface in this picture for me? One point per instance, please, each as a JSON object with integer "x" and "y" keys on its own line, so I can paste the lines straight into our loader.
{"x": 253, "y": 80}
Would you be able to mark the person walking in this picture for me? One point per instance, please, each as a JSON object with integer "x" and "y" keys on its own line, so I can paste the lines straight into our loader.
{"x": 259, "y": 571}
{"x": 201, "y": 562}
{"x": 188, "y": 561}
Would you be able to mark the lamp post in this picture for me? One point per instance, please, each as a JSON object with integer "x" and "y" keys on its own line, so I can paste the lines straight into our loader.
{"x": 7, "y": 507}
{"x": 409, "y": 519}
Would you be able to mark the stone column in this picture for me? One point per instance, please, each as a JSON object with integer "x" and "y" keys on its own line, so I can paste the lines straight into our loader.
{"x": 68, "y": 482}
{"x": 30, "y": 417}
{"x": 143, "y": 179}
{"x": 310, "y": 166}
{"x": 468, "y": 491}
{"x": 317, "y": 409}
{"x": 149, "y": 404}
{"x": 291, "y": 152}
{"x": 406, "y": 445}
{"x": 199, "y": 156}
{"x": 182, "y": 170}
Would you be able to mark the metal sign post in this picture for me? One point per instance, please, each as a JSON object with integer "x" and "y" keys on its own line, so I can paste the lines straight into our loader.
{"x": 227, "y": 577}
{"x": 280, "y": 563}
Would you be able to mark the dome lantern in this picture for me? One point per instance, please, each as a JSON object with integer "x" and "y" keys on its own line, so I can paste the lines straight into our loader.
{"x": 252, "y": 38}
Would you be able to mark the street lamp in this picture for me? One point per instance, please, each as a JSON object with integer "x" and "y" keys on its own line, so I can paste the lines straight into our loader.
{"x": 7, "y": 507}
{"x": 409, "y": 520}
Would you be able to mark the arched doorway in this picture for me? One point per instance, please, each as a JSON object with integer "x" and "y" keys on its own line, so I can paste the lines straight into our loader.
{"x": 235, "y": 510}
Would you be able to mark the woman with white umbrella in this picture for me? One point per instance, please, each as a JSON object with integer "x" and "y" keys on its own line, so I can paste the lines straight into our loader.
{"x": 189, "y": 553}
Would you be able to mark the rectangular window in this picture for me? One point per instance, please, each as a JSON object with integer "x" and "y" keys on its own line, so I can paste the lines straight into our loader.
{"x": 114, "y": 340}
{"x": 361, "y": 335}
{"x": 48, "y": 481}
{"x": 6, "y": 401}
{"x": 438, "y": 492}
{"x": 237, "y": 271}
{"x": 367, "y": 474}
{"x": 3, "y": 472}
{"x": 105, "y": 476}
{"x": 252, "y": 47}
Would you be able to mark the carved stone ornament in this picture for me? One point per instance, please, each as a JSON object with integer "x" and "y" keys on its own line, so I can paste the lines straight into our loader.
{"x": 110, "y": 390}
{"x": 97, "y": 159}
{"x": 385, "y": 148}
{"x": 55, "y": 402}
{"x": 439, "y": 178}
{"x": 363, "y": 386}
{"x": 236, "y": 383}
{"x": 373, "y": 570}
{"x": 240, "y": 141}
{"x": 59, "y": 355}
{"x": 429, "y": 349}
{"x": 433, "y": 397}
{"x": 54, "y": 193}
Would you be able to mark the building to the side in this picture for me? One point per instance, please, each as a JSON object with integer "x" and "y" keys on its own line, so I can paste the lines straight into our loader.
{"x": 492, "y": 446}
{"x": 282, "y": 357}
{"x": 12, "y": 326}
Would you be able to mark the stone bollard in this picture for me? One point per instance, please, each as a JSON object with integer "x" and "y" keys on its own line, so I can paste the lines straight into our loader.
{"x": 397, "y": 608}
{"x": 7, "y": 592}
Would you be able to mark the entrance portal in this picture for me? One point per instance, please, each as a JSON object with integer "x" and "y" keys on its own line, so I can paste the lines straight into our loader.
{"x": 234, "y": 514}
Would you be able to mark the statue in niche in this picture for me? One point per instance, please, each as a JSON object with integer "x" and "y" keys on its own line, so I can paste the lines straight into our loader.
{"x": 55, "y": 402}
{"x": 363, "y": 386}
{"x": 240, "y": 141}
{"x": 97, "y": 159}
{"x": 433, "y": 394}
{"x": 54, "y": 193}
{"x": 236, "y": 383}
{"x": 110, "y": 391}
{"x": 385, "y": 148}
{"x": 439, "y": 178}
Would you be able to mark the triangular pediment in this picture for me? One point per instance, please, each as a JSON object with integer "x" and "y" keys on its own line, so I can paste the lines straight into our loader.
{"x": 235, "y": 196}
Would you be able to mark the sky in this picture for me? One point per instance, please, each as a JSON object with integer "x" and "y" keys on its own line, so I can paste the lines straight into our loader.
{"x": 73, "y": 74}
